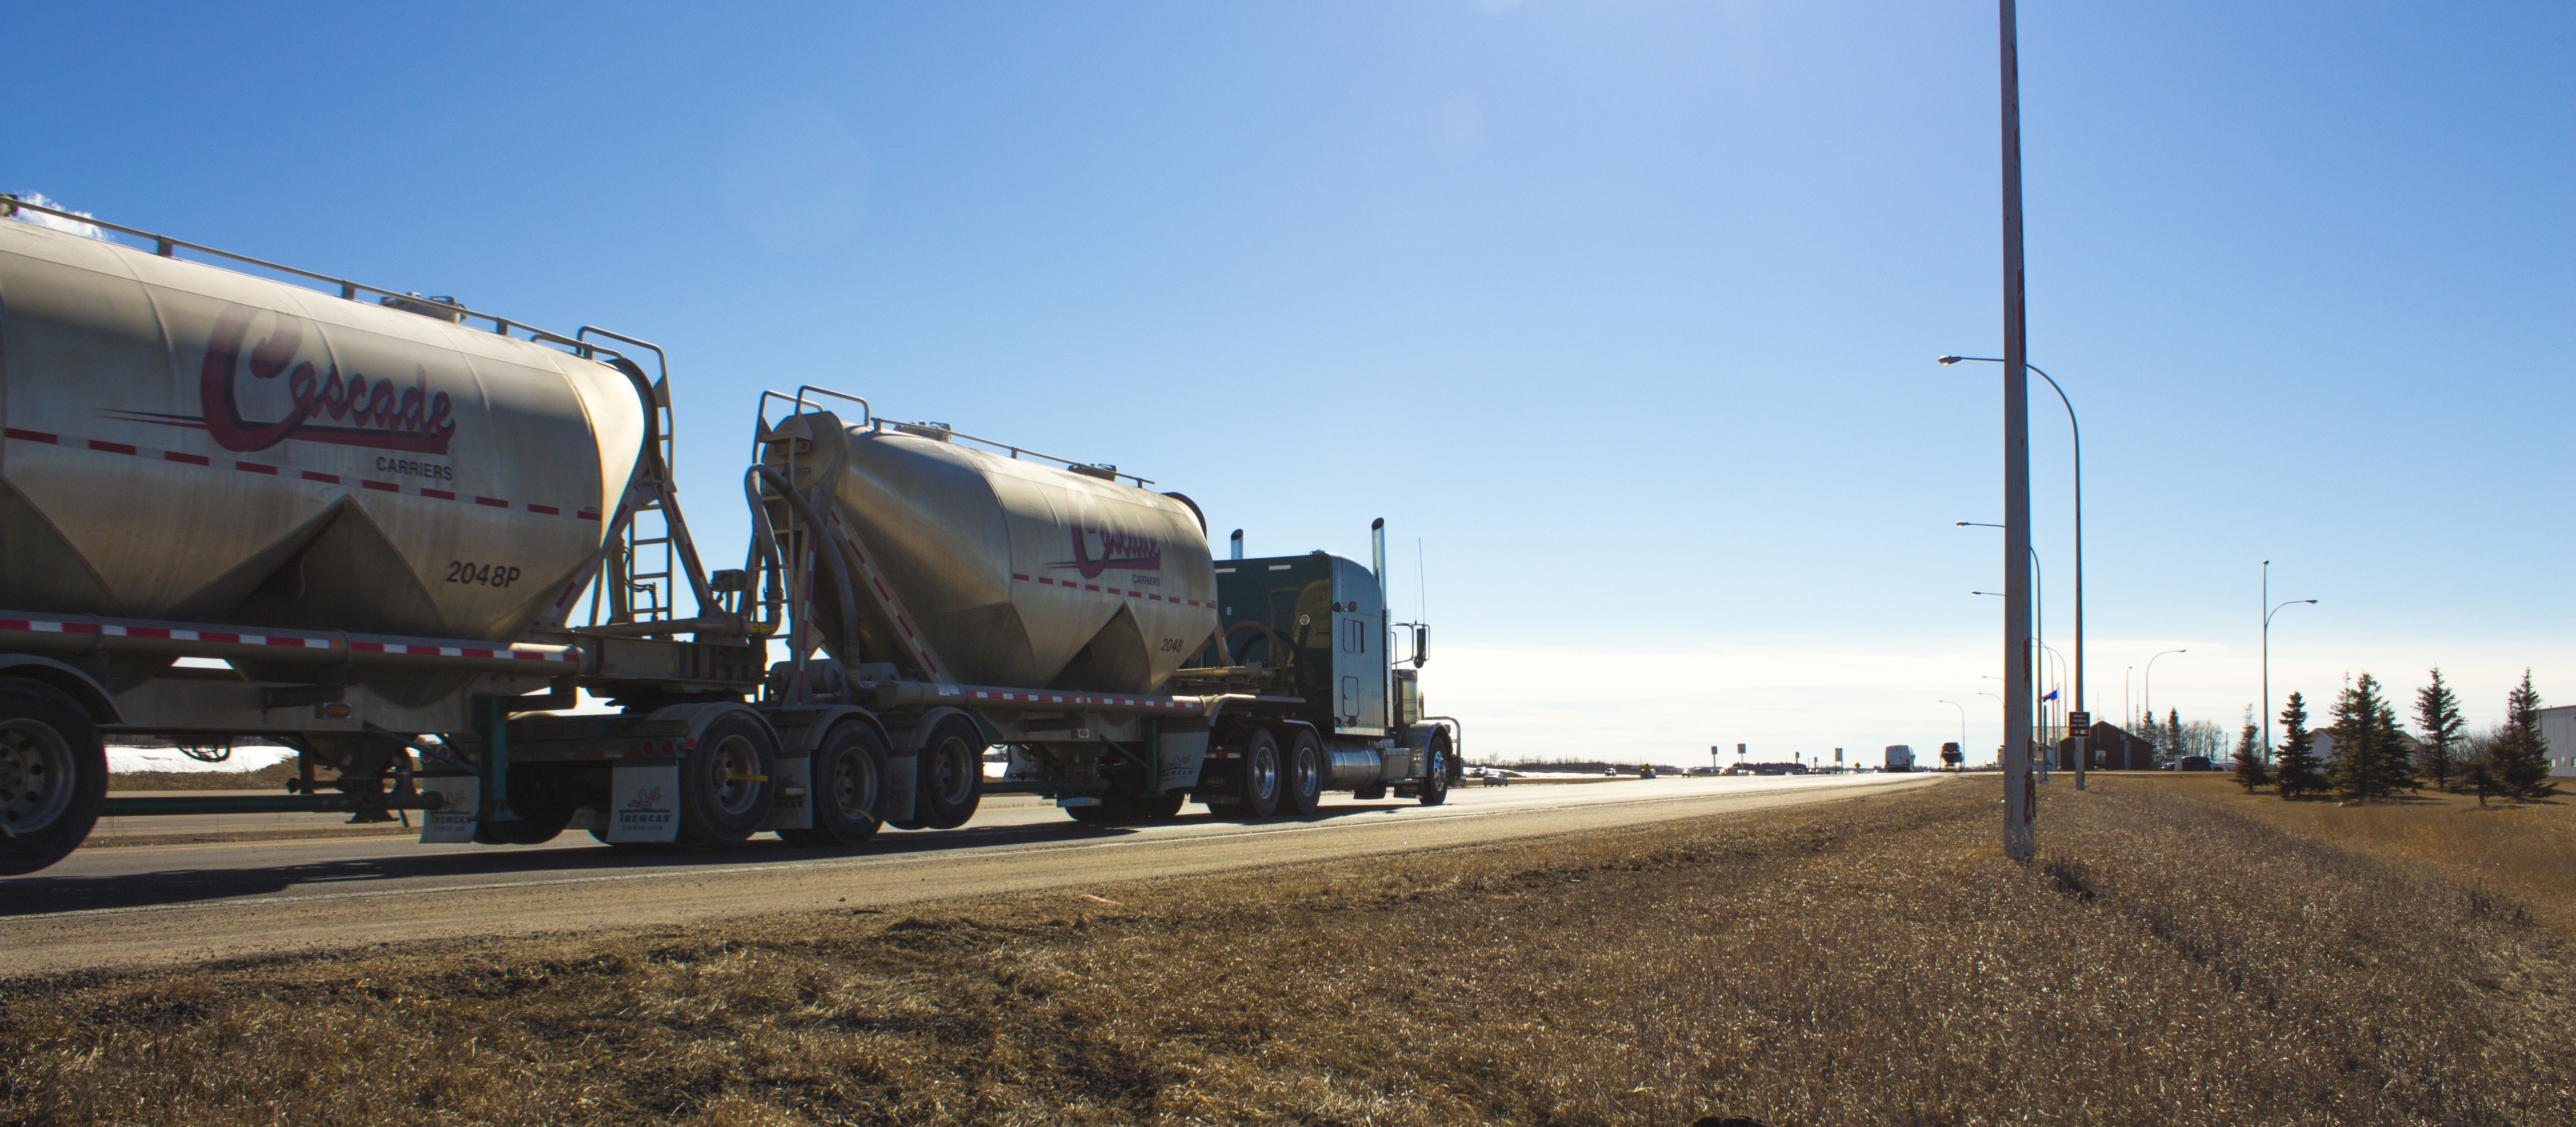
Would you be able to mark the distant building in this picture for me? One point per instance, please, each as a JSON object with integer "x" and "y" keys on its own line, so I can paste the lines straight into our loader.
{"x": 2114, "y": 749}
{"x": 2558, "y": 730}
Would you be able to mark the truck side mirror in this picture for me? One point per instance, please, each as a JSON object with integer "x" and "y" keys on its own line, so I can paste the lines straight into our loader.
{"x": 1421, "y": 640}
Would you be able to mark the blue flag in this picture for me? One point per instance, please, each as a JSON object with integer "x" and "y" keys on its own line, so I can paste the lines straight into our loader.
{"x": 2052, "y": 695}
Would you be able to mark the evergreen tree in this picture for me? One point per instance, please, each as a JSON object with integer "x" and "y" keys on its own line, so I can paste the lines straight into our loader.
{"x": 2519, "y": 757}
{"x": 2369, "y": 762}
{"x": 2477, "y": 770}
{"x": 2173, "y": 735}
{"x": 2437, "y": 714}
{"x": 2252, "y": 772}
{"x": 2298, "y": 771}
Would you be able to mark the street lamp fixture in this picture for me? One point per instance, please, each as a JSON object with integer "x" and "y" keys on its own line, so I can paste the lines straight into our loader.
{"x": 2148, "y": 684}
{"x": 2267, "y": 655}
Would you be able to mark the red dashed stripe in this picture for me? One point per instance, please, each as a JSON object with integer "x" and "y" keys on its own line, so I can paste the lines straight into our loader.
{"x": 1121, "y": 592}
{"x": 477, "y": 652}
{"x": 284, "y": 641}
{"x": 1177, "y": 704}
{"x": 184, "y": 458}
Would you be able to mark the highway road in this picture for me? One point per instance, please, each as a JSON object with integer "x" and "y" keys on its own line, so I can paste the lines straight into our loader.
{"x": 144, "y": 905}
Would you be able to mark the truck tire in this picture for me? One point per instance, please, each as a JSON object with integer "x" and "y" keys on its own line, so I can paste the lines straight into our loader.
{"x": 1434, "y": 787}
{"x": 848, "y": 790}
{"x": 1301, "y": 775}
{"x": 542, "y": 812}
{"x": 53, "y": 775}
{"x": 951, "y": 774}
{"x": 725, "y": 792}
{"x": 1256, "y": 783}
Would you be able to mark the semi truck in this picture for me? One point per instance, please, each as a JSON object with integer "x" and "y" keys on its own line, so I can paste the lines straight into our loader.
{"x": 405, "y": 539}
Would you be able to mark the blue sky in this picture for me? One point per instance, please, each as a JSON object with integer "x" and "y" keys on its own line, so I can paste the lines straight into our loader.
{"x": 1626, "y": 311}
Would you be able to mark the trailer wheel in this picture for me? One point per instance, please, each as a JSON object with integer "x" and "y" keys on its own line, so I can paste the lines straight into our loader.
{"x": 1256, "y": 786}
{"x": 725, "y": 792}
{"x": 951, "y": 773}
{"x": 53, "y": 775}
{"x": 848, "y": 795}
{"x": 1434, "y": 788}
{"x": 542, "y": 813}
{"x": 1303, "y": 776}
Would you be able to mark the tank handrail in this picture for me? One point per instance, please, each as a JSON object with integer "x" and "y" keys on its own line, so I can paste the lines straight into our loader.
{"x": 1015, "y": 451}
{"x": 165, "y": 246}
{"x": 659, "y": 360}
{"x": 867, "y": 416}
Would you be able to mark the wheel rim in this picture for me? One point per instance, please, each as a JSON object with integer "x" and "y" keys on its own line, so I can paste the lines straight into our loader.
{"x": 1265, "y": 772}
{"x": 854, "y": 786}
{"x": 1438, "y": 780}
{"x": 36, "y": 775}
{"x": 953, "y": 769}
{"x": 1306, "y": 774}
{"x": 737, "y": 767}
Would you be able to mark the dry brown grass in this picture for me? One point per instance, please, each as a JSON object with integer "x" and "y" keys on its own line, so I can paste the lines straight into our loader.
{"x": 2525, "y": 850}
{"x": 1869, "y": 962}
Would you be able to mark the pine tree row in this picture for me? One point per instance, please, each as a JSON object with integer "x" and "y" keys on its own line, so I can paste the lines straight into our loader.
{"x": 2370, "y": 754}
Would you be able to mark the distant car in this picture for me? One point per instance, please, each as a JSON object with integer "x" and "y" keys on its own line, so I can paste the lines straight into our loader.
{"x": 2191, "y": 763}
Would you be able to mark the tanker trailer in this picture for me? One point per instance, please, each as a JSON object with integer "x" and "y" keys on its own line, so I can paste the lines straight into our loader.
{"x": 961, "y": 593}
{"x": 233, "y": 507}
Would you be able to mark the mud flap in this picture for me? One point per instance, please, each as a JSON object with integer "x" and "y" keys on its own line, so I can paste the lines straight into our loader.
{"x": 1183, "y": 754}
{"x": 903, "y": 784}
{"x": 460, "y": 799}
{"x": 792, "y": 783}
{"x": 644, "y": 802}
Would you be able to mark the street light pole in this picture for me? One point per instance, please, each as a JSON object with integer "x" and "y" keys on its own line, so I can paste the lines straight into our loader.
{"x": 2038, "y": 628}
{"x": 2077, "y": 428}
{"x": 2267, "y": 655}
{"x": 2148, "y": 683}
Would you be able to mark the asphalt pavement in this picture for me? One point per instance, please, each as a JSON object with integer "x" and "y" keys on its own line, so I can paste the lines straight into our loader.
{"x": 159, "y": 904}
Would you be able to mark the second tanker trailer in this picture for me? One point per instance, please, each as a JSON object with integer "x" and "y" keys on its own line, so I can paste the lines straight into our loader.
{"x": 397, "y": 535}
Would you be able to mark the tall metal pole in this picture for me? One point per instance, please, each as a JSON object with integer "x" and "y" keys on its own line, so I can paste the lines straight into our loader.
{"x": 2267, "y": 661}
{"x": 2021, "y": 796}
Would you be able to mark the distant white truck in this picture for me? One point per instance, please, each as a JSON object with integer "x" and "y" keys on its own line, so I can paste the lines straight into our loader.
{"x": 1900, "y": 757}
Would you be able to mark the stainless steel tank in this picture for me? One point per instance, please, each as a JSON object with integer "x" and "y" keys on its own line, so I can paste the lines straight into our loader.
{"x": 1015, "y": 572}
{"x": 190, "y": 443}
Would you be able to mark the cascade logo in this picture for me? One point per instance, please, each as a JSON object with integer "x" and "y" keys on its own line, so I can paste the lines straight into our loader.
{"x": 322, "y": 405}
{"x": 1117, "y": 549}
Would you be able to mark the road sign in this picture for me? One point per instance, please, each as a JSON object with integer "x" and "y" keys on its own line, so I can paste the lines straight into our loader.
{"x": 2079, "y": 724}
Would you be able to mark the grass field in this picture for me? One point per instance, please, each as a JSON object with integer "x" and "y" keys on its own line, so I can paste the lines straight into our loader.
{"x": 2179, "y": 955}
